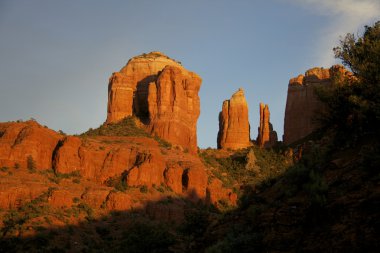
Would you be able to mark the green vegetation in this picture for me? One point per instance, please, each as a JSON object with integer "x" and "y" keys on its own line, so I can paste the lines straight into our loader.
{"x": 126, "y": 127}
{"x": 4, "y": 169}
{"x": 118, "y": 182}
{"x": 14, "y": 220}
{"x": 354, "y": 103}
{"x": 249, "y": 166}
{"x": 31, "y": 164}
{"x": 57, "y": 177}
{"x": 144, "y": 189}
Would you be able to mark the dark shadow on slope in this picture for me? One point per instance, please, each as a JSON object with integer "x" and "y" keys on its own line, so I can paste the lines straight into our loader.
{"x": 324, "y": 203}
{"x": 167, "y": 225}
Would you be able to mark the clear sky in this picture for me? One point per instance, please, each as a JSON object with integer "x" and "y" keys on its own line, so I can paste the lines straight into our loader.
{"x": 56, "y": 56}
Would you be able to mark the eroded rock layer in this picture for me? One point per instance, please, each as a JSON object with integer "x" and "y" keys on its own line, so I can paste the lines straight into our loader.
{"x": 302, "y": 104}
{"x": 100, "y": 161}
{"x": 161, "y": 93}
{"x": 234, "y": 129}
{"x": 266, "y": 136}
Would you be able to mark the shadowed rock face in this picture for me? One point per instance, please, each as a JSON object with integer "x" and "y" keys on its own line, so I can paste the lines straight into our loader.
{"x": 234, "y": 130}
{"x": 302, "y": 104}
{"x": 266, "y": 136}
{"x": 161, "y": 93}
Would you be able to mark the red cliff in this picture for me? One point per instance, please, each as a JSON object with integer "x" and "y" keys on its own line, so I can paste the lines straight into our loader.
{"x": 302, "y": 104}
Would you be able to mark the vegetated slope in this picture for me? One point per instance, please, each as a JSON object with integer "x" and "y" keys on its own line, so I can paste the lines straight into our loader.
{"x": 105, "y": 188}
{"x": 329, "y": 201}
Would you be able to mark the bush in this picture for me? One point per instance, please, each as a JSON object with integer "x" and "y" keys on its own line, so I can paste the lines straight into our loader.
{"x": 126, "y": 127}
{"x": 144, "y": 189}
{"x": 31, "y": 164}
{"x": 118, "y": 182}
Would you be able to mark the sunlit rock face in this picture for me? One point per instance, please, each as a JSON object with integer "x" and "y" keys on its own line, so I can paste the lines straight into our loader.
{"x": 161, "y": 93}
{"x": 234, "y": 130}
{"x": 266, "y": 136}
{"x": 303, "y": 105}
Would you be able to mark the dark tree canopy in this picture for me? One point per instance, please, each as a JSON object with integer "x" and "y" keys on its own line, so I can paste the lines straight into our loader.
{"x": 353, "y": 104}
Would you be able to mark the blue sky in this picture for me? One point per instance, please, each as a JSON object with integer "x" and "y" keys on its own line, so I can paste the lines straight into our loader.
{"x": 56, "y": 56}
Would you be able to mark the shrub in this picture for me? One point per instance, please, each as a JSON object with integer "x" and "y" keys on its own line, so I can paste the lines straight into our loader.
{"x": 118, "y": 182}
{"x": 126, "y": 127}
{"x": 144, "y": 189}
{"x": 31, "y": 164}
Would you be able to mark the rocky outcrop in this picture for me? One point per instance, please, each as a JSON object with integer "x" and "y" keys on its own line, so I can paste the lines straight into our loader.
{"x": 101, "y": 160}
{"x": 174, "y": 106}
{"x": 120, "y": 97}
{"x": 302, "y": 104}
{"x": 234, "y": 129}
{"x": 18, "y": 141}
{"x": 161, "y": 93}
{"x": 266, "y": 136}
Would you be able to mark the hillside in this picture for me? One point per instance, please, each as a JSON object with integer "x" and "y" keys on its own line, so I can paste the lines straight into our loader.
{"x": 139, "y": 183}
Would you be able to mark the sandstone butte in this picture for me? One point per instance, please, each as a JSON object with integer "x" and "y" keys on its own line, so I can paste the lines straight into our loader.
{"x": 161, "y": 93}
{"x": 234, "y": 129}
{"x": 139, "y": 161}
{"x": 302, "y": 104}
{"x": 266, "y": 136}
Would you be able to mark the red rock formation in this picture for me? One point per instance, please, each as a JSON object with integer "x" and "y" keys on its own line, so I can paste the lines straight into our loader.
{"x": 266, "y": 136}
{"x": 118, "y": 201}
{"x": 18, "y": 141}
{"x": 234, "y": 129}
{"x": 173, "y": 178}
{"x": 161, "y": 93}
{"x": 14, "y": 196}
{"x": 173, "y": 106}
{"x": 302, "y": 104}
{"x": 120, "y": 97}
{"x": 148, "y": 170}
{"x": 217, "y": 192}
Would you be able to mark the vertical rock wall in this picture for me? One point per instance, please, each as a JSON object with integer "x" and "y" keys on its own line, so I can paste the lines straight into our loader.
{"x": 234, "y": 129}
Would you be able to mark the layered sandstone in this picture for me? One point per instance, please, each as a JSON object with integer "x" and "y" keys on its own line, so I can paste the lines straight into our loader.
{"x": 97, "y": 161}
{"x": 18, "y": 141}
{"x": 161, "y": 93}
{"x": 234, "y": 129}
{"x": 266, "y": 136}
{"x": 302, "y": 104}
{"x": 174, "y": 106}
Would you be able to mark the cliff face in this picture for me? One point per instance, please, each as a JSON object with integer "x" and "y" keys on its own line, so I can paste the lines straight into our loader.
{"x": 98, "y": 160}
{"x": 234, "y": 129}
{"x": 174, "y": 106}
{"x": 18, "y": 141}
{"x": 266, "y": 136}
{"x": 161, "y": 93}
{"x": 302, "y": 104}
